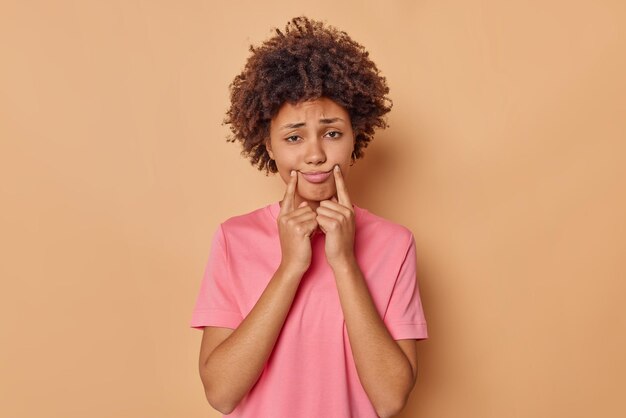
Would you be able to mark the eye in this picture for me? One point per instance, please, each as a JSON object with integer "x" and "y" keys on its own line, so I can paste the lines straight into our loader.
{"x": 334, "y": 134}
{"x": 292, "y": 138}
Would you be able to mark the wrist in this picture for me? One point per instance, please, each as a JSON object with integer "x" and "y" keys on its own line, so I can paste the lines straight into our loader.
{"x": 290, "y": 270}
{"x": 344, "y": 264}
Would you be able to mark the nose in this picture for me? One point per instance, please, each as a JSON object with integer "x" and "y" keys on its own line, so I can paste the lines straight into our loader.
{"x": 315, "y": 152}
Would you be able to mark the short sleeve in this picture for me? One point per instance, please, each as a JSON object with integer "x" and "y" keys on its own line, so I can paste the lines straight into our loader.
{"x": 216, "y": 304}
{"x": 404, "y": 317}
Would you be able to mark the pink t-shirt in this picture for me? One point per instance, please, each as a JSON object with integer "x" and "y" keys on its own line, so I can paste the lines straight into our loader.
{"x": 311, "y": 371}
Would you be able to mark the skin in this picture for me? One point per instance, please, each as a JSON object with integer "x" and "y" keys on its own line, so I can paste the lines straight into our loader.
{"x": 231, "y": 361}
{"x": 311, "y": 136}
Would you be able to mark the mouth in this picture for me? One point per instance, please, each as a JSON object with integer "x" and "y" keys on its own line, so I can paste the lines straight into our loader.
{"x": 316, "y": 176}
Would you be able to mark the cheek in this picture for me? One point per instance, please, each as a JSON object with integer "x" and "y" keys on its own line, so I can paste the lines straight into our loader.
{"x": 283, "y": 169}
{"x": 345, "y": 170}
{"x": 345, "y": 162}
{"x": 284, "y": 175}
{"x": 284, "y": 161}
{"x": 345, "y": 154}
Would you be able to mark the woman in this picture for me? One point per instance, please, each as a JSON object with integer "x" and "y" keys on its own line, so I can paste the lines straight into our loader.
{"x": 309, "y": 306}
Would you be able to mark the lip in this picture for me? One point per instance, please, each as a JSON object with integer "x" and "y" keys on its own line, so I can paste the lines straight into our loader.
{"x": 316, "y": 176}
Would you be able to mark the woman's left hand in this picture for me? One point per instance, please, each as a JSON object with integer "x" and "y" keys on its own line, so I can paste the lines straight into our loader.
{"x": 335, "y": 218}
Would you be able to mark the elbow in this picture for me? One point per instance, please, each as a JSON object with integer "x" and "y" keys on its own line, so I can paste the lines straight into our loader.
{"x": 220, "y": 398}
{"x": 390, "y": 410}
{"x": 392, "y": 406}
{"x": 220, "y": 403}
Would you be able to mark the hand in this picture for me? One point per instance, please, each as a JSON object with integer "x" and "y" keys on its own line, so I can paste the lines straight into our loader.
{"x": 295, "y": 227}
{"x": 336, "y": 219}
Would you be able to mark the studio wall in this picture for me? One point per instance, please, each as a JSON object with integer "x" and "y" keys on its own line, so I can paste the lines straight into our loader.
{"x": 504, "y": 156}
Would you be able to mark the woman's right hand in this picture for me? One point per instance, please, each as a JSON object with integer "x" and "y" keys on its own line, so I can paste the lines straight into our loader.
{"x": 295, "y": 227}
{"x": 231, "y": 361}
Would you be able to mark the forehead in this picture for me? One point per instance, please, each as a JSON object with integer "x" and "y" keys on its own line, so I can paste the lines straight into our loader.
{"x": 310, "y": 110}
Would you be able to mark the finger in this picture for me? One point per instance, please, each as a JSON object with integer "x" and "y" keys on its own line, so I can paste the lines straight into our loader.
{"x": 336, "y": 207}
{"x": 327, "y": 223}
{"x": 320, "y": 223}
{"x": 292, "y": 221}
{"x": 304, "y": 224}
{"x": 298, "y": 217}
{"x": 288, "y": 202}
{"x": 311, "y": 227}
{"x": 342, "y": 191}
{"x": 334, "y": 213}
{"x": 302, "y": 208}
{"x": 332, "y": 204}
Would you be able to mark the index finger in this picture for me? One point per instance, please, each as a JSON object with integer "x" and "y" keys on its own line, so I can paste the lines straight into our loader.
{"x": 288, "y": 202}
{"x": 342, "y": 191}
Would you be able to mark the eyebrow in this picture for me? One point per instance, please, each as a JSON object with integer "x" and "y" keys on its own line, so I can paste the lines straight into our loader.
{"x": 325, "y": 121}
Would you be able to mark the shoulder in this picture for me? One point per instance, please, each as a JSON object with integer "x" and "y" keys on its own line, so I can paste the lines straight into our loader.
{"x": 248, "y": 225}
{"x": 381, "y": 246}
{"x": 373, "y": 226}
{"x": 247, "y": 217}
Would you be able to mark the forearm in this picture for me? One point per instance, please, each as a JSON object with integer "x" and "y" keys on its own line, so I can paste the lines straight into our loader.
{"x": 384, "y": 370}
{"x": 235, "y": 365}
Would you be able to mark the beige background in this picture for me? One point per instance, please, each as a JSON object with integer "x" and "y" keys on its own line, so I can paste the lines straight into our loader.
{"x": 505, "y": 157}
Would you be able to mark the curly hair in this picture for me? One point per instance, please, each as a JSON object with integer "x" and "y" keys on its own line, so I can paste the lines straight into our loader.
{"x": 305, "y": 62}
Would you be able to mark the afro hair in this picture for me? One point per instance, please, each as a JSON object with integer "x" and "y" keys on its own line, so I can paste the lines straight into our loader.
{"x": 307, "y": 61}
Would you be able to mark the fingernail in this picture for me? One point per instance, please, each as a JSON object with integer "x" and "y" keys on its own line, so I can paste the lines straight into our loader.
{"x": 293, "y": 172}
{"x": 337, "y": 167}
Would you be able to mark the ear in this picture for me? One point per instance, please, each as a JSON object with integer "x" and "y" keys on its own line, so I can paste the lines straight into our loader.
{"x": 268, "y": 147}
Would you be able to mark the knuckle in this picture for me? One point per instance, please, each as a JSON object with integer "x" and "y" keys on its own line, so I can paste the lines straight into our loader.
{"x": 334, "y": 224}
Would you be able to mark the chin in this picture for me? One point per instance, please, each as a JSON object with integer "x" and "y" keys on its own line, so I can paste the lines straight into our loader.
{"x": 316, "y": 193}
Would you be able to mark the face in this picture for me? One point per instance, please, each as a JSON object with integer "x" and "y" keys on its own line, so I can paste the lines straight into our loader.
{"x": 311, "y": 137}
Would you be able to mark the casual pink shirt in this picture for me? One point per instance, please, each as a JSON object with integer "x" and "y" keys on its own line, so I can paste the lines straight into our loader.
{"x": 311, "y": 371}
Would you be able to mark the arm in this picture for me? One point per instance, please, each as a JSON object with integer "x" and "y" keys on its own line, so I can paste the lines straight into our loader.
{"x": 386, "y": 368}
{"x": 231, "y": 361}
